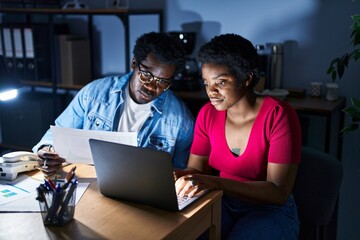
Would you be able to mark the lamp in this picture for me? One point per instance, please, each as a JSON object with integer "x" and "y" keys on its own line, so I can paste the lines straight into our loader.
{"x": 8, "y": 84}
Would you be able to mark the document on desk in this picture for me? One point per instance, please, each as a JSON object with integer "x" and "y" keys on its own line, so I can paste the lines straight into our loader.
{"x": 73, "y": 144}
{"x": 20, "y": 195}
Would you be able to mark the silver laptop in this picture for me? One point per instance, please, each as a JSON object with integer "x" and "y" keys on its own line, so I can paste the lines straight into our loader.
{"x": 136, "y": 174}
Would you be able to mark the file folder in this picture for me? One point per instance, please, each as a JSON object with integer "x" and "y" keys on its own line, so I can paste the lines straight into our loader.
{"x": 30, "y": 71}
{"x": 39, "y": 52}
{"x": 1, "y": 43}
{"x": 19, "y": 53}
{"x": 9, "y": 50}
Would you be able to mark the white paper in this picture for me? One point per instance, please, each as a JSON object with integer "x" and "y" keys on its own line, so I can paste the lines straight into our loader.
{"x": 20, "y": 188}
{"x": 20, "y": 195}
{"x": 73, "y": 144}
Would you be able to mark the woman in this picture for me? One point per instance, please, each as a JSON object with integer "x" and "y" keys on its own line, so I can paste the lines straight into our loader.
{"x": 253, "y": 142}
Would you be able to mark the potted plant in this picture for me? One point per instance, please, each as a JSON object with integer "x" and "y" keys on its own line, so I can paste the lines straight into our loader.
{"x": 337, "y": 68}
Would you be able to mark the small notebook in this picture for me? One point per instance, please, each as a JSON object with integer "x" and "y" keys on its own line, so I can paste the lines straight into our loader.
{"x": 135, "y": 174}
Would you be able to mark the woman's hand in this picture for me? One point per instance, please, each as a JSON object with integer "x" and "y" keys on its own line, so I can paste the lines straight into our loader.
{"x": 49, "y": 161}
{"x": 191, "y": 184}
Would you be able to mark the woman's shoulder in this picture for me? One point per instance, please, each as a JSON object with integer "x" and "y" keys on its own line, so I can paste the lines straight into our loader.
{"x": 275, "y": 109}
{"x": 273, "y": 103}
{"x": 210, "y": 114}
{"x": 207, "y": 108}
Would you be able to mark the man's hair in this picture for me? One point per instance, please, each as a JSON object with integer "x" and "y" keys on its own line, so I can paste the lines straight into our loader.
{"x": 167, "y": 49}
{"x": 233, "y": 51}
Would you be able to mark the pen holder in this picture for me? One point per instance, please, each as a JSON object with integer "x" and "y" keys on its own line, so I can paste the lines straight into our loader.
{"x": 57, "y": 204}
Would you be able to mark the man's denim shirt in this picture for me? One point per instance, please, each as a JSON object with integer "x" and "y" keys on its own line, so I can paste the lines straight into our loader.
{"x": 99, "y": 104}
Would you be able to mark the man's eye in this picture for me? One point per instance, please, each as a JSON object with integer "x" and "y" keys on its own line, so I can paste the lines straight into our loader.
{"x": 146, "y": 74}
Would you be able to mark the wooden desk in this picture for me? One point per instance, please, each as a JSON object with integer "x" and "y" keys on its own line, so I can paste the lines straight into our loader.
{"x": 316, "y": 106}
{"x": 99, "y": 217}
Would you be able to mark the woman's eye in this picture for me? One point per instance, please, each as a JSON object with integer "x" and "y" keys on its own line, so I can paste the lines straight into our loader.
{"x": 221, "y": 83}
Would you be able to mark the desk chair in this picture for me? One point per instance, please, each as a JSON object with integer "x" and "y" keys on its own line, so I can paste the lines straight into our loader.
{"x": 316, "y": 191}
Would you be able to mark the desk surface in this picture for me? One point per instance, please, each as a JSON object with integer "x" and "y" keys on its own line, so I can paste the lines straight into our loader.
{"x": 99, "y": 217}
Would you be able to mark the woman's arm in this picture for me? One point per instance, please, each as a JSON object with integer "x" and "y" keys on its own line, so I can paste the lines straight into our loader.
{"x": 196, "y": 165}
{"x": 275, "y": 190}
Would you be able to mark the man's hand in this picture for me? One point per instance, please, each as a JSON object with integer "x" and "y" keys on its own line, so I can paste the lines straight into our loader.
{"x": 49, "y": 161}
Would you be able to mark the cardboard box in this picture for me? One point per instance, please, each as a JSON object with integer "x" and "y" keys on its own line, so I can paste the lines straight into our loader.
{"x": 75, "y": 65}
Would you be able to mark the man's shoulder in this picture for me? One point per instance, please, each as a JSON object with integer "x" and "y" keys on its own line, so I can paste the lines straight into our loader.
{"x": 171, "y": 99}
{"x": 174, "y": 104}
{"x": 110, "y": 83}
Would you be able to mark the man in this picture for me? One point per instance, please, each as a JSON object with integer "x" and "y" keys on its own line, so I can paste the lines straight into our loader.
{"x": 139, "y": 101}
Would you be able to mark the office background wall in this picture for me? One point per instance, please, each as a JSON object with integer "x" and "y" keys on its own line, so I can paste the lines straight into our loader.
{"x": 316, "y": 30}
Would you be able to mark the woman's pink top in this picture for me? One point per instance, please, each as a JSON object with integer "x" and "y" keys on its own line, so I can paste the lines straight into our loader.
{"x": 275, "y": 137}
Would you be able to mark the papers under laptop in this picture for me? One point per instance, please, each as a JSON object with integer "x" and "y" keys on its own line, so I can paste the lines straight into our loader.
{"x": 73, "y": 144}
{"x": 135, "y": 174}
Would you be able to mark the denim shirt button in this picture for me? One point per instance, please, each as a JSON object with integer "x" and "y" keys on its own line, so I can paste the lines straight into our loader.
{"x": 97, "y": 123}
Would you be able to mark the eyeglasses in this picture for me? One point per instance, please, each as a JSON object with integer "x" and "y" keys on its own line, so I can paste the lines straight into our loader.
{"x": 147, "y": 77}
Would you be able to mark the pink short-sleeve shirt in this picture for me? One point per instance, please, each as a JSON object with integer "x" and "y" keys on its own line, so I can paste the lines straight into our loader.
{"x": 275, "y": 137}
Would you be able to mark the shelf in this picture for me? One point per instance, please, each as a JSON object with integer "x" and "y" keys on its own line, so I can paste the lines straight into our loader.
{"x": 122, "y": 14}
{"x": 50, "y": 84}
{"x": 77, "y": 11}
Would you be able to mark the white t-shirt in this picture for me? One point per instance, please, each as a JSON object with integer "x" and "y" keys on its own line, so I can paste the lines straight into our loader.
{"x": 133, "y": 115}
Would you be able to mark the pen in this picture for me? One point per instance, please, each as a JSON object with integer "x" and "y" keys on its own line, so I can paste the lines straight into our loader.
{"x": 48, "y": 185}
{"x": 70, "y": 174}
{"x": 57, "y": 200}
{"x": 50, "y": 149}
{"x": 69, "y": 194}
{"x": 69, "y": 177}
{"x": 52, "y": 184}
{"x": 44, "y": 164}
{"x": 41, "y": 195}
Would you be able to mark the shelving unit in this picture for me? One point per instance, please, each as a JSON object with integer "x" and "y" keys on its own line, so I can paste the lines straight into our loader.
{"x": 51, "y": 17}
{"x": 122, "y": 14}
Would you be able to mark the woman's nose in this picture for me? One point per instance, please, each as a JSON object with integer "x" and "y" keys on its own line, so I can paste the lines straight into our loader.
{"x": 212, "y": 88}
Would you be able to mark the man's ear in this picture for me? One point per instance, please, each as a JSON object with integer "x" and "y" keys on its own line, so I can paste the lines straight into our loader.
{"x": 133, "y": 64}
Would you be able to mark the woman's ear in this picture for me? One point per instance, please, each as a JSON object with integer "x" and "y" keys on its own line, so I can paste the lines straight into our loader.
{"x": 249, "y": 80}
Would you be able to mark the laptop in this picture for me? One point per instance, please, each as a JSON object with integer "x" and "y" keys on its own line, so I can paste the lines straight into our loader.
{"x": 135, "y": 174}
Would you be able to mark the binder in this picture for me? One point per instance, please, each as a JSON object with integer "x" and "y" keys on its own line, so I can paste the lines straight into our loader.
{"x": 29, "y": 61}
{"x": 1, "y": 42}
{"x": 19, "y": 53}
{"x": 27, "y": 50}
{"x": 39, "y": 38}
{"x": 9, "y": 50}
{"x": 42, "y": 52}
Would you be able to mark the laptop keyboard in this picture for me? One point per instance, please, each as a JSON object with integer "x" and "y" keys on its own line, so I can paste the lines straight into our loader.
{"x": 182, "y": 200}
